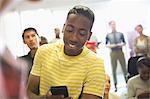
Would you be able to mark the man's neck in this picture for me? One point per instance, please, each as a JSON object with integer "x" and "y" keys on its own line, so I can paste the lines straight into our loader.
{"x": 32, "y": 52}
{"x": 113, "y": 31}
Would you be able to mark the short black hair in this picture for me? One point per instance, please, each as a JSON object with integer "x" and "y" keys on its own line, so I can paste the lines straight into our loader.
{"x": 29, "y": 29}
{"x": 143, "y": 60}
{"x": 83, "y": 10}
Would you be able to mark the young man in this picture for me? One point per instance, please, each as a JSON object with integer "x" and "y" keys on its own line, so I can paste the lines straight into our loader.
{"x": 115, "y": 41}
{"x": 30, "y": 37}
{"x": 139, "y": 85}
{"x": 70, "y": 63}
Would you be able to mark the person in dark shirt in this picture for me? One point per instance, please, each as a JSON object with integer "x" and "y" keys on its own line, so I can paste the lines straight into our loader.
{"x": 30, "y": 37}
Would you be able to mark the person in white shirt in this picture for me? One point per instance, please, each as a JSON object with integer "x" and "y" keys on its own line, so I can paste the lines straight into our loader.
{"x": 139, "y": 85}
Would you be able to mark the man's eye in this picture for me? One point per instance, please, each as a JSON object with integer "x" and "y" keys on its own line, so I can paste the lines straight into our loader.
{"x": 26, "y": 37}
{"x": 69, "y": 29}
{"x": 82, "y": 33}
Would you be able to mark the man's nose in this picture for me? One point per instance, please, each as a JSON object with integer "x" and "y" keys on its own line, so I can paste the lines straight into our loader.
{"x": 74, "y": 37}
{"x": 30, "y": 38}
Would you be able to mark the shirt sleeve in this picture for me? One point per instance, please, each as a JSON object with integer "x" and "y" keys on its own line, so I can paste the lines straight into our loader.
{"x": 106, "y": 40}
{"x": 95, "y": 80}
{"x": 36, "y": 68}
{"x": 131, "y": 91}
{"x": 122, "y": 37}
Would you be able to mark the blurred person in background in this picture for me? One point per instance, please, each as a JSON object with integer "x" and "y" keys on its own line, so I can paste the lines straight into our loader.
{"x": 139, "y": 85}
{"x": 57, "y": 36}
{"x": 115, "y": 41}
{"x": 141, "y": 43}
{"x": 141, "y": 47}
{"x": 31, "y": 39}
{"x": 43, "y": 40}
{"x": 12, "y": 77}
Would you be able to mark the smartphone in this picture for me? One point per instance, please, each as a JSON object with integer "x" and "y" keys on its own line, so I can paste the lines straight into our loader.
{"x": 59, "y": 90}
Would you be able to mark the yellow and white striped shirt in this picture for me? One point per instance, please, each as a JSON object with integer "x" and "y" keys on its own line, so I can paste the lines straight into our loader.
{"x": 57, "y": 69}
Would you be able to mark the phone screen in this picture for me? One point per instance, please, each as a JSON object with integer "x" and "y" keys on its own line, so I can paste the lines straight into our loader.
{"x": 59, "y": 90}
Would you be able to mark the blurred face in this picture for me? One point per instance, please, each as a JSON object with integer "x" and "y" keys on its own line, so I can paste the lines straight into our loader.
{"x": 76, "y": 33}
{"x": 144, "y": 73}
{"x": 113, "y": 26}
{"x": 57, "y": 31}
{"x": 139, "y": 29}
{"x": 4, "y": 4}
{"x": 31, "y": 39}
{"x": 107, "y": 84}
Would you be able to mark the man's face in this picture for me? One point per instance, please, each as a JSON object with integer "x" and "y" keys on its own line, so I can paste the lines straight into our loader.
{"x": 57, "y": 31}
{"x": 113, "y": 26}
{"x": 76, "y": 33}
{"x": 31, "y": 39}
{"x": 144, "y": 73}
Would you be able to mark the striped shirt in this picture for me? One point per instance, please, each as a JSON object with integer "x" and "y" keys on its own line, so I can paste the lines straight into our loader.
{"x": 57, "y": 69}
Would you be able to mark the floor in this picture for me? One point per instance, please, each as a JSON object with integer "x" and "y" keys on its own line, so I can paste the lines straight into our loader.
{"x": 122, "y": 87}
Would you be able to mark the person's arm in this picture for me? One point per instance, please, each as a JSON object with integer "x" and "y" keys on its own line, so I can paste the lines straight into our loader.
{"x": 111, "y": 45}
{"x": 95, "y": 81}
{"x": 90, "y": 96}
{"x": 144, "y": 95}
{"x": 33, "y": 87}
{"x": 33, "y": 90}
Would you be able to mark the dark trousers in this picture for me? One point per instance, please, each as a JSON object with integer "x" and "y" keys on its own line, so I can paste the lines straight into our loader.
{"x": 118, "y": 56}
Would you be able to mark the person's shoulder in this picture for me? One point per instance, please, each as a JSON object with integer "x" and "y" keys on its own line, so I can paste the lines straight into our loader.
{"x": 147, "y": 37}
{"x": 93, "y": 57}
{"x": 133, "y": 79}
{"x": 121, "y": 33}
{"x": 22, "y": 57}
{"x": 108, "y": 34}
{"x": 51, "y": 46}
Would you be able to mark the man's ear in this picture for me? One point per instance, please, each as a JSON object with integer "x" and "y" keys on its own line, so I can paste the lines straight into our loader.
{"x": 89, "y": 36}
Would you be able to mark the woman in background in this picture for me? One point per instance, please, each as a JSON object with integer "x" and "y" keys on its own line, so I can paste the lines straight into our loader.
{"x": 141, "y": 43}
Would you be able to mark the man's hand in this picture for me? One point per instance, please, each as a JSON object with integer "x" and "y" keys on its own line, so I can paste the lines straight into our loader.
{"x": 111, "y": 45}
{"x": 120, "y": 45}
